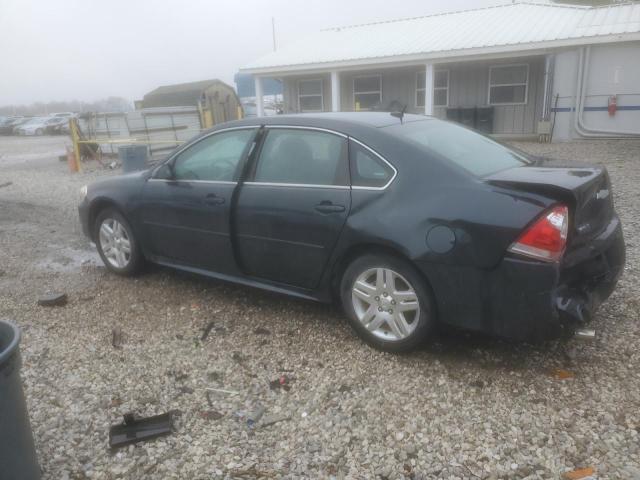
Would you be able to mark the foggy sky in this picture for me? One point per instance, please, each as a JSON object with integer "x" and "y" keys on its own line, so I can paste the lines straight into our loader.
{"x": 90, "y": 49}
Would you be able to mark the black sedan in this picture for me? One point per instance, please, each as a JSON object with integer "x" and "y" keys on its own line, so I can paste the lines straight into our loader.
{"x": 408, "y": 222}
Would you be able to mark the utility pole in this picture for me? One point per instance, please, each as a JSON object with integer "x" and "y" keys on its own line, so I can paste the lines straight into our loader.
{"x": 273, "y": 32}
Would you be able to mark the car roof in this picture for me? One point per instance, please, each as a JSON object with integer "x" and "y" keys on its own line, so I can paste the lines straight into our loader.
{"x": 340, "y": 121}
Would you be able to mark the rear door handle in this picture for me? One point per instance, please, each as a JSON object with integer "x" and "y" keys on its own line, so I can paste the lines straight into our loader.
{"x": 328, "y": 207}
{"x": 213, "y": 199}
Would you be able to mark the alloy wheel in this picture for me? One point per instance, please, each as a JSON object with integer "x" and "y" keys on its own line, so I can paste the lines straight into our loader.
{"x": 115, "y": 243}
{"x": 386, "y": 304}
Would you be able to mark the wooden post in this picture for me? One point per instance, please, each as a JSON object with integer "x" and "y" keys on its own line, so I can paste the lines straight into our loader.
{"x": 75, "y": 137}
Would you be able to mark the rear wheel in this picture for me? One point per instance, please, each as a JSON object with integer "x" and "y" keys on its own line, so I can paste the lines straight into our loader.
{"x": 116, "y": 243}
{"x": 388, "y": 302}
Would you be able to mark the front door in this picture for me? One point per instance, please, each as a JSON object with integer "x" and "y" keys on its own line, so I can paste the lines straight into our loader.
{"x": 292, "y": 209}
{"x": 186, "y": 214}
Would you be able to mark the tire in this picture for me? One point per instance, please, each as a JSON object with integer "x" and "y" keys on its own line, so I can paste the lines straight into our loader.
{"x": 392, "y": 331}
{"x": 39, "y": 132}
{"x": 117, "y": 244}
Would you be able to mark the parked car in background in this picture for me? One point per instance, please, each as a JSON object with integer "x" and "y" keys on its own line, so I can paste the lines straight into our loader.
{"x": 55, "y": 125}
{"x": 408, "y": 221}
{"x": 63, "y": 114}
{"x": 38, "y": 125}
{"x": 7, "y": 127}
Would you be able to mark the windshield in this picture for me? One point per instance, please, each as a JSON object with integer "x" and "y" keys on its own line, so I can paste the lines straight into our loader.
{"x": 475, "y": 153}
{"x": 34, "y": 121}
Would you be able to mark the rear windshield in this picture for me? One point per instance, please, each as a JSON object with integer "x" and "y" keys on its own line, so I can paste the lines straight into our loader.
{"x": 474, "y": 152}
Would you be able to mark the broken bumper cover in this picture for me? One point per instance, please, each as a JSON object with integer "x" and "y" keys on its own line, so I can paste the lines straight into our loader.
{"x": 539, "y": 300}
{"x": 524, "y": 299}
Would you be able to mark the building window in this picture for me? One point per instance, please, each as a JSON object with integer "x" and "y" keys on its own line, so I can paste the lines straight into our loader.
{"x": 508, "y": 84}
{"x": 367, "y": 92}
{"x": 440, "y": 88}
{"x": 310, "y": 95}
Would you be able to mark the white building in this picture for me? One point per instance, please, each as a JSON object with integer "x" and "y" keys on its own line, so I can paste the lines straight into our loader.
{"x": 515, "y": 69}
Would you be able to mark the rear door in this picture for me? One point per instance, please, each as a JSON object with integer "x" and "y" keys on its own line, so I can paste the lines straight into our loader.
{"x": 292, "y": 209}
{"x": 186, "y": 217}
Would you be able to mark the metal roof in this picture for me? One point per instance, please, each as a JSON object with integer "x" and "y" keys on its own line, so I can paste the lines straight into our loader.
{"x": 502, "y": 28}
{"x": 180, "y": 94}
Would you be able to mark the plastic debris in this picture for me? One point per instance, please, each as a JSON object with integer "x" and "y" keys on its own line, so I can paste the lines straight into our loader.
{"x": 579, "y": 473}
{"x": 272, "y": 419}
{"x": 282, "y": 382}
{"x": 230, "y": 392}
{"x": 561, "y": 374}
{"x": 53, "y": 300}
{"x": 211, "y": 415}
{"x": 207, "y": 331}
{"x": 255, "y": 416}
{"x": 134, "y": 430}
{"x": 117, "y": 337}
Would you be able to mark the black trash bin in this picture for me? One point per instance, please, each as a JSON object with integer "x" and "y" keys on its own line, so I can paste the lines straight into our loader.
{"x": 17, "y": 452}
{"x": 133, "y": 157}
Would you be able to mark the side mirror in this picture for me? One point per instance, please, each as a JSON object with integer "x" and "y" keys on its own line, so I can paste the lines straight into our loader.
{"x": 165, "y": 172}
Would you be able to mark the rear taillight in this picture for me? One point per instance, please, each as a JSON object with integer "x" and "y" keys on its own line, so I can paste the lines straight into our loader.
{"x": 546, "y": 239}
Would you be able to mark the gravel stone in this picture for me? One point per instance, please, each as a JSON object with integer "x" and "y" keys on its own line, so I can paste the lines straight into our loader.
{"x": 464, "y": 406}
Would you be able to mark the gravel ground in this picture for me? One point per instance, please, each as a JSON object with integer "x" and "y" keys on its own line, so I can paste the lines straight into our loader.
{"x": 463, "y": 407}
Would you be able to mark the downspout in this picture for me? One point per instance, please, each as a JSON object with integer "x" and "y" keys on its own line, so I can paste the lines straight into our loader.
{"x": 546, "y": 101}
{"x": 583, "y": 68}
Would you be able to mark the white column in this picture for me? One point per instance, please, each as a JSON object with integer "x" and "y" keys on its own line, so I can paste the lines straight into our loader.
{"x": 335, "y": 91}
{"x": 428, "y": 90}
{"x": 259, "y": 96}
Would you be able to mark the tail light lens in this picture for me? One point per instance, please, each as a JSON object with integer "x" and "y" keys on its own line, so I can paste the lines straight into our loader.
{"x": 546, "y": 239}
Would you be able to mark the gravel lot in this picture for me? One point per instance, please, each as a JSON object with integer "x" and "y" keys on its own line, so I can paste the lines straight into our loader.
{"x": 463, "y": 407}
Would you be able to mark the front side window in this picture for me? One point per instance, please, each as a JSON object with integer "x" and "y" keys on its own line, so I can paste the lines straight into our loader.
{"x": 475, "y": 153}
{"x": 367, "y": 92}
{"x": 304, "y": 157}
{"x": 310, "y": 95}
{"x": 214, "y": 158}
{"x": 367, "y": 169}
{"x": 508, "y": 84}
{"x": 440, "y": 88}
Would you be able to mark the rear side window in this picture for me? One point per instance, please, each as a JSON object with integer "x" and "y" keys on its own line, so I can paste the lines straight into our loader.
{"x": 305, "y": 157}
{"x": 367, "y": 169}
{"x": 475, "y": 153}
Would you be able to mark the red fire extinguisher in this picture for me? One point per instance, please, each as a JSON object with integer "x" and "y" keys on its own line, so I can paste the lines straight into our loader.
{"x": 612, "y": 107}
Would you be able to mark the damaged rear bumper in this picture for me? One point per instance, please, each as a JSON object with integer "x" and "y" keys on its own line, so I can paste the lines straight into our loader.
{"x": 539, "y": 300}
{"x": 525, "y": 299}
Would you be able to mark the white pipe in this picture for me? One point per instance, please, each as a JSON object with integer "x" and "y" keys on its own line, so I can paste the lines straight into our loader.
{"x": 581, "y": 128}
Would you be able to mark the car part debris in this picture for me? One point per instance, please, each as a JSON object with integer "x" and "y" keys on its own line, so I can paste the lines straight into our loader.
{"x": 585, "y": 334}
{"x": 134, "y": 430}
{"x": 211, "y": 415}
{"x": 117, "y": 337}
{"x": 230, "y": 392}
{"x": 255, "y": 416}
{"x": 579, "y": 473}
{"x": 282, "y": 382}
{"x": 53, "y": 300}
{"x": 207, "y": 331}
{"x": 272, "y": 419}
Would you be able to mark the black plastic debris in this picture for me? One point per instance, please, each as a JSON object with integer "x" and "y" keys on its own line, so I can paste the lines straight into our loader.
{"x": 262, "y": 331}
{"x": 117, "y": 337}
{"x": 134, "y": 430}
{"x": 53, "y": 300}
{"x": 206, "y": 331}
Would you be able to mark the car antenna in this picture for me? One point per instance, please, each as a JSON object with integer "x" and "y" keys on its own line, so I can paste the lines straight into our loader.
{"x": 399, "y": 114}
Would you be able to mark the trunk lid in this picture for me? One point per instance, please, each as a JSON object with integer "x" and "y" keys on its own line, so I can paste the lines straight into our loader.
{"x": 585, "y": 188}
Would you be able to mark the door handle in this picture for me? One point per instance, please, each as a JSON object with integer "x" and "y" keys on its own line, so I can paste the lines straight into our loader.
{"x": 213, "y": 199}
{"x": 328, "y": 207}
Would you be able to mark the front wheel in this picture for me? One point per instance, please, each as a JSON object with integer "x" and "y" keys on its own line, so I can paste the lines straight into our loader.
{"x": 388, "y": 302}
{"x": 39, "y": 132}
{"x": 117, "y": 244}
